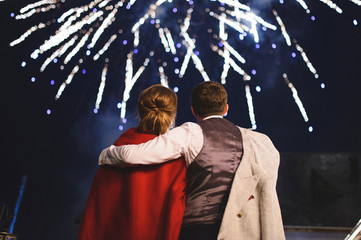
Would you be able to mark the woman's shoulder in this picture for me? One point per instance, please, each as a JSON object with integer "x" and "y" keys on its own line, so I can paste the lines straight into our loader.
{"x": 133, "y": 136}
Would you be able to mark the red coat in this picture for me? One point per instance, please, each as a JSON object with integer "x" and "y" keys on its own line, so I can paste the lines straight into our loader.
{"x": 135, "y": 203}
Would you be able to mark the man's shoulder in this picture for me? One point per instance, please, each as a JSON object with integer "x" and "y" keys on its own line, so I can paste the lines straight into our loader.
{"x": 189, "y": 129}
{"x": 189, "y": 124}
{"x": 256, "y": 139}
{"x": 260, "y": 148}
{"x": 249, "y": 133}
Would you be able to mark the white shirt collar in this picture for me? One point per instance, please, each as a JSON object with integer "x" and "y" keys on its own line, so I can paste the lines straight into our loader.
{"x": 213, "y": 116}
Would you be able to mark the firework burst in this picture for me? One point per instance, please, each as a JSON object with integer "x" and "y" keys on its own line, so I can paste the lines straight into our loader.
{"x": 168, "y": 33}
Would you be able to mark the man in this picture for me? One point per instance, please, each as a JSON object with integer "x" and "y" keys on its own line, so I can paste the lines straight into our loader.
{"x": 231, "y": 171}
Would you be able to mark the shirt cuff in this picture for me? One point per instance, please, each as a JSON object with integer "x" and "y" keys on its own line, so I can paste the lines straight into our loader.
{"x": 103, "y": 157}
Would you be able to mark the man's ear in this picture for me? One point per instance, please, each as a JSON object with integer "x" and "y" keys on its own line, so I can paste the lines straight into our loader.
{"x": 225, "y": 109}
{"x": 198, "y": 118}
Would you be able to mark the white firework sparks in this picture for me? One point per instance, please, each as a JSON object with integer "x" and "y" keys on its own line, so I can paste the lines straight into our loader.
{"x": 296, "y": 97}
{"x": 84, "y": 26}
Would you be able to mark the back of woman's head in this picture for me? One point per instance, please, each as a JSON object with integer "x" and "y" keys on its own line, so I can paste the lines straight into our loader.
{"x": 157, "y": 107}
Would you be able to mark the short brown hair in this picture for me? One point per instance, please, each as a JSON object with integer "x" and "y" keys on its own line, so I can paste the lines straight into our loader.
{"x": 157, "y": 107}
{"x": 209, "y": 98}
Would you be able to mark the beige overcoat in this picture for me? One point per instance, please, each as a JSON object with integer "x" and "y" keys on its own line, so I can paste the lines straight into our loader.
{"x": 252, "y": 211}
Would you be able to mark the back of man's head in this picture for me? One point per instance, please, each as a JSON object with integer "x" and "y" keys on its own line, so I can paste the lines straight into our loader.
{"x": 209, "y": 98}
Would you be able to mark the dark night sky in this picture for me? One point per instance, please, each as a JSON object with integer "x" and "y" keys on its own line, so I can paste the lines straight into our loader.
{"x": 58, "y": 152}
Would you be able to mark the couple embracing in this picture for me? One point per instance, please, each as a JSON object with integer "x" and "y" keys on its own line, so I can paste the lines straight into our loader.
{"x": 205, "y": 180}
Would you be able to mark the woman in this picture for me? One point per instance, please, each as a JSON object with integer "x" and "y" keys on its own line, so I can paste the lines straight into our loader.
{"x": 141, "y": 202}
